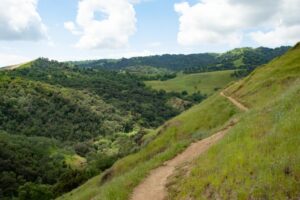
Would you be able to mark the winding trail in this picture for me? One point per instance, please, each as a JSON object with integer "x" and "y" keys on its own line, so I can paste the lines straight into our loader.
{"x": 235, "y": 102}
{"x": 154, "y": 186}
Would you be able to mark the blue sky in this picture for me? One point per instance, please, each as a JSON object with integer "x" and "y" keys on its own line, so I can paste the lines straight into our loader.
{"x": 63, "y": 30}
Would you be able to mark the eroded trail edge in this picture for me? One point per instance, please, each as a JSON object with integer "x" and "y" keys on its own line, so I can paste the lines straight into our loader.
{"x": 154, "y": 186}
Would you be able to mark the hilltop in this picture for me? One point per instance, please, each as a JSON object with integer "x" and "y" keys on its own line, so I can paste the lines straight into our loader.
{"x": 241, "y": 58}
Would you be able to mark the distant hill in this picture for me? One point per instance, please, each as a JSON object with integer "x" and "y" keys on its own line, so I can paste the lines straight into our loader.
{"x": 242, "y": 58}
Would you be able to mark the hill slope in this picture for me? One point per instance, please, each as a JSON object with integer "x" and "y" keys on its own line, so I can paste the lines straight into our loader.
{"x": 197, "y": 123}
{"x": 259, "y": 158}
{"x": 38, "y": 109}
{"x": 257, "y": 154}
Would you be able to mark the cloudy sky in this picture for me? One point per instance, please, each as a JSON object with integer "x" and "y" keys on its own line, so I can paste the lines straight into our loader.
{"x": 91, "y": 29}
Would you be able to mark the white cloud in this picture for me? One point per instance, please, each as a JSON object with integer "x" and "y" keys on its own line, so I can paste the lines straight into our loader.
{"x": 19, "y": 20}
{"x": 70, "y": 26}
{"x": 228, "y": 22}
{"x": 281, "y": 35}
{"x": 111, "y": 32}
{"x": 289, "y": 12}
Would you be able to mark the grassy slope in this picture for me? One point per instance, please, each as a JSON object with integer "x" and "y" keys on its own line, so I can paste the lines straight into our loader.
{"x": 268, "y": 81}
{"x": 202, "y": 82}
{"x": 196, "y": 123}
{"x": 147, "y": 71}
{"x": 260, "y": 157}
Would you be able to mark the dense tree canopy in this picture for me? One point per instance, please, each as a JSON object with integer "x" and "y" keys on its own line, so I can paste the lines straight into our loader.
{"x": 123, "y": 91}
{"x": 37, "y": 109}
{"x": 28, "y": 159}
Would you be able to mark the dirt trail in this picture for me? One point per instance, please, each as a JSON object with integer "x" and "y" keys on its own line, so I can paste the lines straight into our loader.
{"x": 235, "y": 102}
{"x": 154, "y": 186}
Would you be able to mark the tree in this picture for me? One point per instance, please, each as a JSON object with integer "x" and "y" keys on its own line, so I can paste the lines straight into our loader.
{"x": 34, "y": 191}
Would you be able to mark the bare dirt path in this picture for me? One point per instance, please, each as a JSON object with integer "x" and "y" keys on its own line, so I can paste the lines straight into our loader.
{"x": 154, "y": 186}
{"x": 235, "y": 102}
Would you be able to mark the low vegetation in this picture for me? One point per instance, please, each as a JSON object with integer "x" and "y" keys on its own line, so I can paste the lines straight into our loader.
{"x": 205, "y": 83}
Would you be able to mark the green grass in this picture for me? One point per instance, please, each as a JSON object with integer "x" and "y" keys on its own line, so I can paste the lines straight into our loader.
{"x": 147, "y": 71}
{"x": 205, "y": 83}
{"x": 260, "y": 157}
{"x": 239, "y": 62}
{"x": 268, "y": 81}
{"x": 197, "y": 123}
{"x": 75, "y": 161}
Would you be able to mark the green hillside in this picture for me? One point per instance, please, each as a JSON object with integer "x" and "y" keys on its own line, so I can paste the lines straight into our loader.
{"x": 206, "y": 83}
{"x": 94, "y": 116}
{"x": 38, "y": 109}
{"x": 241, "y": 58}
{"x": 259, "y": 158}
